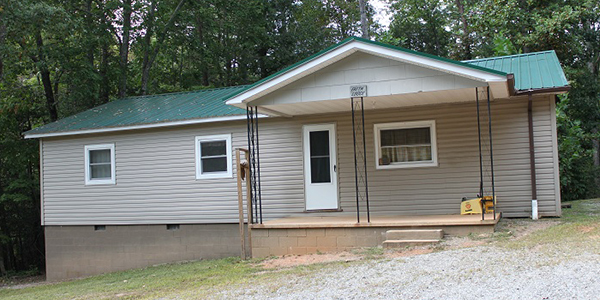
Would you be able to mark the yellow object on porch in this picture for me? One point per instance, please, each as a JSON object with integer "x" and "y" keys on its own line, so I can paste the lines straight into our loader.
{"x": 473, "y": 206}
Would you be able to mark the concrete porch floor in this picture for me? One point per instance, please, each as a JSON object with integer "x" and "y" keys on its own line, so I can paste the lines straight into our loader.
{"x": 349, "y": 220}
{"x": 322, "y": 233}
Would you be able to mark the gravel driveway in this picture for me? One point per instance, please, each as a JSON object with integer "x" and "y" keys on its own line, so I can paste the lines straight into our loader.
{"x": 470, "y": 273}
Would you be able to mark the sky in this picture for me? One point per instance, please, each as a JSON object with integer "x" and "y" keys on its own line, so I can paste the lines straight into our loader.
{"x": 382, "y": 15}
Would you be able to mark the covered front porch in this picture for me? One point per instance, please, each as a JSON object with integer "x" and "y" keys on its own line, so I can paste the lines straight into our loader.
{"x": 372, "y": 119}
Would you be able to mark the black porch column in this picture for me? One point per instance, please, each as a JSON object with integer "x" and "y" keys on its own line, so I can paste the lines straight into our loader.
{"x": 360, "y": 156}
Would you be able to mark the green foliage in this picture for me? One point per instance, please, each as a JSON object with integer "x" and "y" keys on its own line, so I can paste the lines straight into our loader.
{"x": 504, "y": 27}
{"x": 577, "y": 171}
{"x": 64, "y": 55}
{"x": 504, "y": 46}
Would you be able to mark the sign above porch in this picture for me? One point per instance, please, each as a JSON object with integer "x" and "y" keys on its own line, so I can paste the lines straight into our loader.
{"x": 358, "y": 91}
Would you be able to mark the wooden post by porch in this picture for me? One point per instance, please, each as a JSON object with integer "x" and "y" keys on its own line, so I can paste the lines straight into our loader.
{"x": 243, "y": 173}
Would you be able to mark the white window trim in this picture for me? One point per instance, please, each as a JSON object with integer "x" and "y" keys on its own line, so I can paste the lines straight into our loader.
{"x": 209, "y": 138}
{"x": 88, "y": 180}
{"x": 406, "y": 125}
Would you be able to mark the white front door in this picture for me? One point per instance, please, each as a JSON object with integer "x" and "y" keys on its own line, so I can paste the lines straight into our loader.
{"x": 320, "y": 170}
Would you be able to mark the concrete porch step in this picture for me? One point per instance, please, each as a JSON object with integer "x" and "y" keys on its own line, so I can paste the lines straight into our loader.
{"x": 389, "y": 244}
{"x": 415, "y": 234}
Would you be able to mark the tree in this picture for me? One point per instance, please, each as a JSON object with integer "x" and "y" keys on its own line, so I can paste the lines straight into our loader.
{"x": 421, "y": 25}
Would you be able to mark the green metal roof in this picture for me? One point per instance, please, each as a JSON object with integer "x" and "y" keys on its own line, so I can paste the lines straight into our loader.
{"x": 532, "y": 71}
{"x": 538, "y": 70}
{"x": 153, "y": 109}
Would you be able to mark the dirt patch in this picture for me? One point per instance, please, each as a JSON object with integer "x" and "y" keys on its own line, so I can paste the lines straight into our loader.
{"x": 308, "y": 259}
{"x": 519, "y": 228}
{"x": 586, "y": 229}
{"x": 409, "y": 252}
{"x": 463, "y": 242}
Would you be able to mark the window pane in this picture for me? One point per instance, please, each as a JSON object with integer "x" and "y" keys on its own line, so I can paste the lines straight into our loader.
{"x": 319, "y": 143}
{"x": 320, "y": 170}
{"x": 405, "y": 145}
{"x": 100, "y": 156}
{"x": 411, "y": 136}
{"x": 213, "y": 148}
{"x": 100, "y": 172}
{"x": 320, "y": 165}
{"x": 218, "y": 164}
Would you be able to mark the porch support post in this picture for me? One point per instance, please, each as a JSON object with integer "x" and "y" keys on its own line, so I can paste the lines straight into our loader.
{"x": 491, "y": 152}
{"x": 534, "y": 206}
{"x": 360, "y": 156}
{"x": 480, "y": 152}
{"x": 260, "y": 213}
{"x": 362, "y": 109}
{"x": 355, "y": 162}
{"x": 479, "y": 141}
{"x": 240, "y": 191}
{"x": 250, "y": 181}
{"x": 254, "y": 163}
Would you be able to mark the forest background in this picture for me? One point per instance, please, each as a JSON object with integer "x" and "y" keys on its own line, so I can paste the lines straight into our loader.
{"x": 60, "y": 57}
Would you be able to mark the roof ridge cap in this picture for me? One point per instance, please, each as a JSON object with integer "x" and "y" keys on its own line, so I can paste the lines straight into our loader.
{"x": 182, "y": 92}
{"x": 511, "y": 55}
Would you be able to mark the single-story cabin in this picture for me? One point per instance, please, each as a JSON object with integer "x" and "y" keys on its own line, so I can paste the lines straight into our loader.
{"x": 356, "y": 140}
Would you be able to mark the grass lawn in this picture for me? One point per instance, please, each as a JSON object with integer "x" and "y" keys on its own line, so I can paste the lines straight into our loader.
{"x": 578, "y": 229}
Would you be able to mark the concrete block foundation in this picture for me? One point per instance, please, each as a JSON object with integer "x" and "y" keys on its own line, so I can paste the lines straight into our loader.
{"x": 78, "y": 251}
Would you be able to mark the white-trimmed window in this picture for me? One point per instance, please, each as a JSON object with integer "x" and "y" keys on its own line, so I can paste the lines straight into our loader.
{"x": 100, "y": 164}
{"x": 213, "y": 156}
{"x": 405, "y": 145}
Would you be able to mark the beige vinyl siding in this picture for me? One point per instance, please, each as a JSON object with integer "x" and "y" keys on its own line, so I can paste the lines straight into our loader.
{"x": 156, "y": 184}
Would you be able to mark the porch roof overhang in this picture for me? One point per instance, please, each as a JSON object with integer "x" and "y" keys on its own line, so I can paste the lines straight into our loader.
{"x": 501, "y": 84}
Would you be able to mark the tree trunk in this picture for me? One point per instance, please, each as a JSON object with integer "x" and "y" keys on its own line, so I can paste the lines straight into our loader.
{"x": 466, "y": 40}
{"x": 124, "y": 51}
{"x": 596, "y": 146}
{"x": 363, "y": 18}
{"x": 46, "y": 81}
{"x": 159, "y": 42}
{"x": 148, "y": 47}
{"x": 103, "y": 72}
{"x": 90, "y": 25}
{"x": 2, "y": 39}
{"x": 2, "y": 267}
{"x": 203, "y": 64}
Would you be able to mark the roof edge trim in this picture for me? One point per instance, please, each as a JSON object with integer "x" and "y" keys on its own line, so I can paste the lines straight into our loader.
{"x": 141, "y": 126}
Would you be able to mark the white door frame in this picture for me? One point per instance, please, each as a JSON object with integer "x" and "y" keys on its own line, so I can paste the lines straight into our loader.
{"x": 320, "y": 196}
